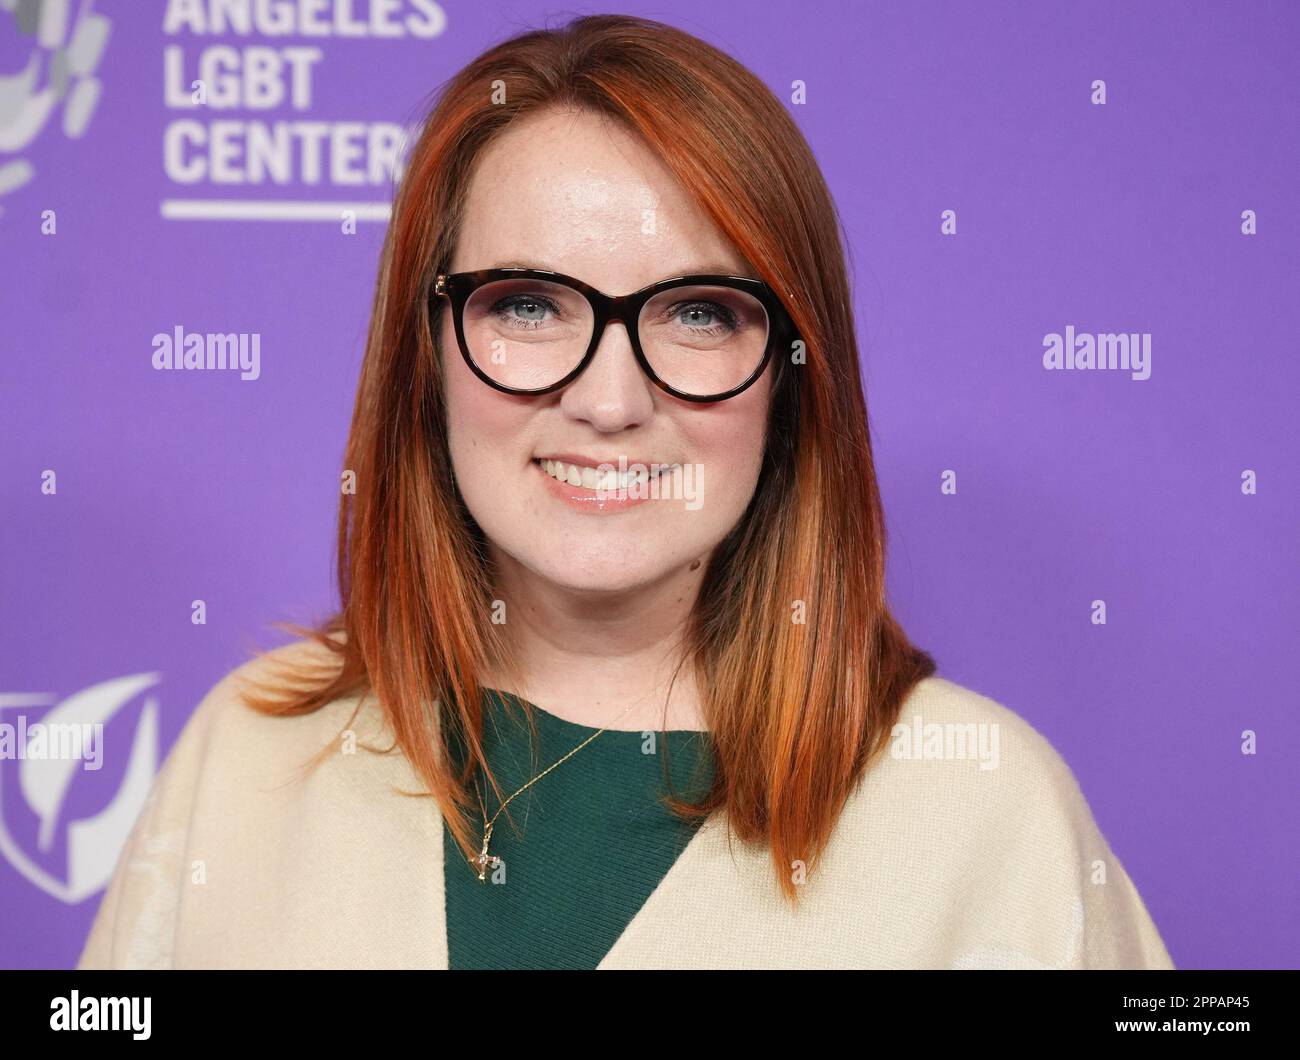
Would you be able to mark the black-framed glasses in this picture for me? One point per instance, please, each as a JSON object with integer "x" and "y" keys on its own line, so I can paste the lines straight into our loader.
{"x": 702, "y": 337}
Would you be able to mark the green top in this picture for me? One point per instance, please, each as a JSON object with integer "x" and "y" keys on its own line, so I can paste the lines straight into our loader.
{"x": 582, "y": 848}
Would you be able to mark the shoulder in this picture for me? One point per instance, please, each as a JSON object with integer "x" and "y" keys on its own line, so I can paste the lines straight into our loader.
{"x": 968, "y": 764}
{"x": 264, "y": 767}
{"x": 231, "y": 785}
{"x": 225, "y": 723}
{"x": 974, "y": 746}
{"x": 975, "y": 807}
{"x": 973, "y": 774}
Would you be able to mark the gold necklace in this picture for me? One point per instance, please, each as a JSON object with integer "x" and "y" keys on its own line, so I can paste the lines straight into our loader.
{"x": 484, "y": 858}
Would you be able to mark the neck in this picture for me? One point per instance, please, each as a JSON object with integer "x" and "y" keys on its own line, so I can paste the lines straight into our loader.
{"x": 589, "y": 656}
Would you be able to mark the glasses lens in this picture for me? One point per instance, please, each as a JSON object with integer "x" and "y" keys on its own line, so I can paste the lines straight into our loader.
{"x": 526, "y": 334}
{"x": 704, "y": 340}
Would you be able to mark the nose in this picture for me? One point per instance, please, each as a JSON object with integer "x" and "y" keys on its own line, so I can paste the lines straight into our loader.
{"x": 612, "y": 393}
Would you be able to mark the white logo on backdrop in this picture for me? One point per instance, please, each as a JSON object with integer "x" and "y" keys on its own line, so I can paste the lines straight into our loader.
{"x": 58, "y": 75}
{"x": 92, "y": 843}
{"x": 250, "y": 108}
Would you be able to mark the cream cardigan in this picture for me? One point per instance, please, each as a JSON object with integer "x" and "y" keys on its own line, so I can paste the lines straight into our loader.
{"x": 235, "y": 862}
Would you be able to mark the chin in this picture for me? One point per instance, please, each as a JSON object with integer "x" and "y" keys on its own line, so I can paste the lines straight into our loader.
{"x": 594, "y": 553}
{"x": 594, "y": 574}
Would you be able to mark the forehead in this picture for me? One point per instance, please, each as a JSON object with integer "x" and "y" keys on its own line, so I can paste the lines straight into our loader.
{"x": 578, "y": 193}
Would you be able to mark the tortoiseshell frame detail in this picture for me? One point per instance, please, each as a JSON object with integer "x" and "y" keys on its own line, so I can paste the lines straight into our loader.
{"x": 458, "y": 286}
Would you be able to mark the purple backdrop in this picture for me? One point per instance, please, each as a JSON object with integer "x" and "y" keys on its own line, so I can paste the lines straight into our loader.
{"x": 1171, "y": 498}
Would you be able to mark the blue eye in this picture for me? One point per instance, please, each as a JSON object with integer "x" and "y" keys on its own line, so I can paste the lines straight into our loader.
{"x": 534, "y": 308}
{"x": 723, "y": 316}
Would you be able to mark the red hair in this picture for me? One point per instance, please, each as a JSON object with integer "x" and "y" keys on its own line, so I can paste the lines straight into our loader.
{"x": 796, "y": 710}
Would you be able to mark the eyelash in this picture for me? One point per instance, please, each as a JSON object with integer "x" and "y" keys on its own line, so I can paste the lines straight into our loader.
{"x": 502, "y": 308}
{"x": 728, "y": 317}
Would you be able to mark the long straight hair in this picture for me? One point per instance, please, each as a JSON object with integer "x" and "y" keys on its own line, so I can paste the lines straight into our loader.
{"x": 800, "y": 666}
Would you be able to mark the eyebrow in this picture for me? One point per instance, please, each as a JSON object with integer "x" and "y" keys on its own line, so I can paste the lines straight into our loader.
{"x": 699, "y": 270}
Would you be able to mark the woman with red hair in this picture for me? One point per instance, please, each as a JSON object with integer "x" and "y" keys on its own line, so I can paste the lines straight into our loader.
{"x": 613, "y": 682}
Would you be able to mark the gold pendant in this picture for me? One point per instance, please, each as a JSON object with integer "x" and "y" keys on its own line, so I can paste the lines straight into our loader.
{"x": 485, "y": 859}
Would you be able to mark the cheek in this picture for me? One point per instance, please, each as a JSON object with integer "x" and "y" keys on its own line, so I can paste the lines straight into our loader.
{"x": 478, "y": 417}
{"x": 474, "y": 419}
{"x": 729, "y": 439}
{"x": 489, "y": 444}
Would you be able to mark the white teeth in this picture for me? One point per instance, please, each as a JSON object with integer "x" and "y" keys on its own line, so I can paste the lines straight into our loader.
{"x": 591, "y": 478}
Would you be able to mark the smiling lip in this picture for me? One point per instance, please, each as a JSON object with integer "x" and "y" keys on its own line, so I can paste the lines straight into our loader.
{"x": 581, "y": 499}
{"x": 595, "y": 462}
